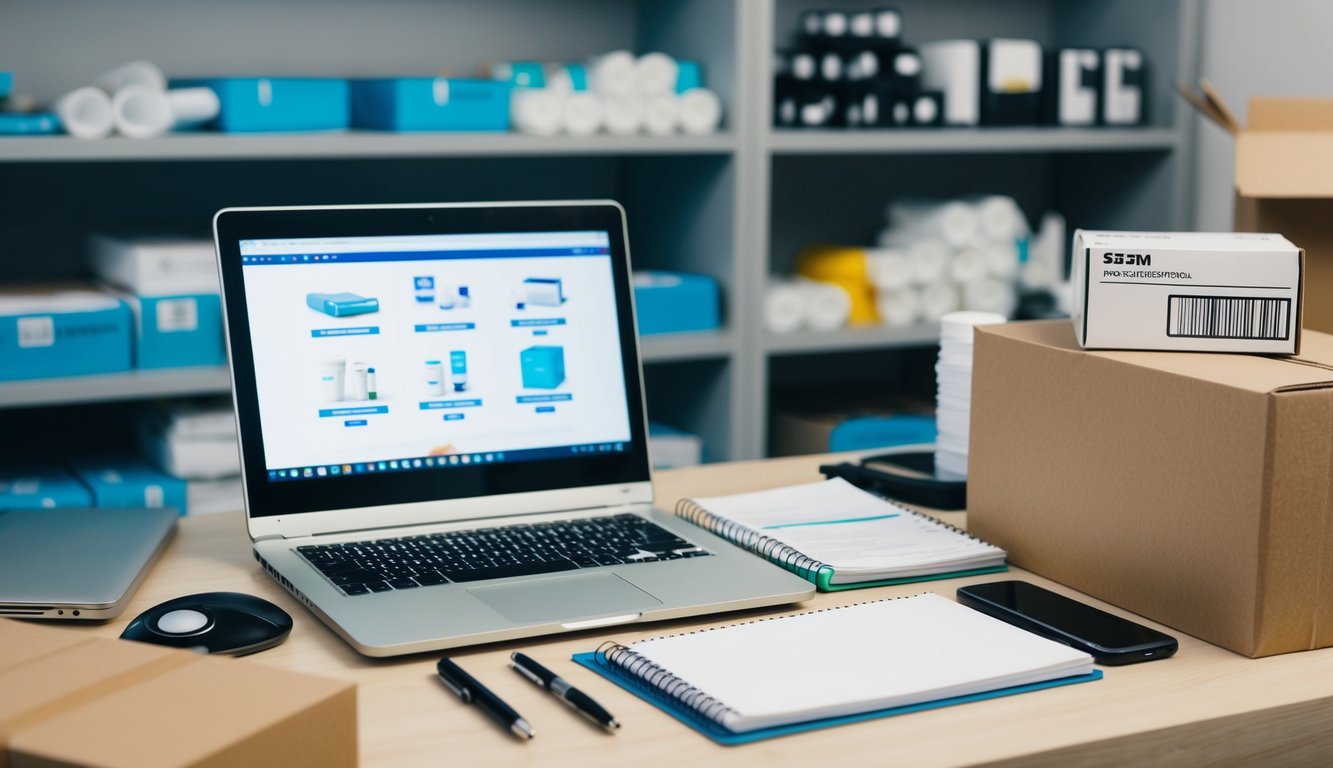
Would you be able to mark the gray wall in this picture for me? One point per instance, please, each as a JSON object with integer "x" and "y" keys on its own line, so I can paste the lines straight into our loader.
{"x": 1254, "y": 48}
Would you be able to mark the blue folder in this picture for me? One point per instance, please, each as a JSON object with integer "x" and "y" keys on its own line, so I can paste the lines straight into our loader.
{"x": 725, "y": 737}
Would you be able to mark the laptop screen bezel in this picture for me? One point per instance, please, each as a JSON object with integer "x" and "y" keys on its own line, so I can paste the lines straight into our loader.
{"x": 398, "y": 498}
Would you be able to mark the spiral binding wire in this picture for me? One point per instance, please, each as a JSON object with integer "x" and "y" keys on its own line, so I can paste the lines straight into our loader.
{"x": 783, "y": 554}
{"x": 660, "y": 681}
{"x": 766, "y": 546}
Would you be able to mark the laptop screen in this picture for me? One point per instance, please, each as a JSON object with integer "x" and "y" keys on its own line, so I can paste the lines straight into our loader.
{"x": 432, "y": 366}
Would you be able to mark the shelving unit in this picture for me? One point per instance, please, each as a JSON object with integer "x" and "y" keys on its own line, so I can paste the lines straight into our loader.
{"x": 736, "y": 205}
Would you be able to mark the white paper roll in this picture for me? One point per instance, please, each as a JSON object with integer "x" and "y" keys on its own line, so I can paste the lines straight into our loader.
{"x": 954, "y": 221}
{"x": 614, "y": 74}
{"x": 1001, "y": 259}
{"x": 784, "y": 307}
{"x": 700, "y": 111}
{"x": 966, "y": 265}
{"x": 560, "y": 78}
{"x": 999, "y": 217}
{"x": 661, "y": 115}
{"x": 930, "y": 260}
{"x": 85, "y": 113}
{"x": 535, "y": 111}
{"x": 898, "y": 308}
{"x": 581, "y": 113}
{"x": 938, "y": 300}
{"x": 141, "y": 112}
{"x": 623, "y": 114}
{"x": 140, "y": 73}
{"x": 889, "y": 269}
{"x": 655, "y": 74}
{"x": 192, "y": 106}
{"x": 827, "y": 306}
{"x": 990, "y": 295}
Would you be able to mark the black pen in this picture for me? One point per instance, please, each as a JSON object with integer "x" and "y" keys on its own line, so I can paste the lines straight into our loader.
{"x": 562, "y": 690}
{"x": 473, "y": 692}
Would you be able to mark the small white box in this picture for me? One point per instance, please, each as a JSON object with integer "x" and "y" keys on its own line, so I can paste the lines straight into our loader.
{"x": 156, "y": 266}
{"x": 544, "y": 291}
{"x": 1188, "y": 291}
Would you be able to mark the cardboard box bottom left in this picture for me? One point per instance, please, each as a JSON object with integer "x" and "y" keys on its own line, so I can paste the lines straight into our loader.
{"x": 67, "y": 699}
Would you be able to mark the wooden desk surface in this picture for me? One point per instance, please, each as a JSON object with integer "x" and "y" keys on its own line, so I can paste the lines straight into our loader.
{"x": 1204, "y": 706}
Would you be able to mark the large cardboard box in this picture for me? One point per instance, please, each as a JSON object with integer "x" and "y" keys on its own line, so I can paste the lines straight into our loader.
{"x": 1191, "y": 488}
{"x": 1284, "y": 181}
{"x": 67, "y": 699}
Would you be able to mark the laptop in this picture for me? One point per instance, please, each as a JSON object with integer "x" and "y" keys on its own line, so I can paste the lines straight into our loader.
{"x": 442, "y": 426}
{"x": 77, "y": 563}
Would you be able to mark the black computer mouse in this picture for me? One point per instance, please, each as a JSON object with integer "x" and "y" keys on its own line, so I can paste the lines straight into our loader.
{"x": 229, "y": 623}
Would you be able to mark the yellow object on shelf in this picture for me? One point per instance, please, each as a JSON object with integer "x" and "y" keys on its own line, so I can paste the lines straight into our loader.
{"x": 846, "y": 268}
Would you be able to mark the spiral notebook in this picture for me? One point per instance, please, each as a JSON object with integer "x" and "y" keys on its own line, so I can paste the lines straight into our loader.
{"x": 771, "y": 677}
{"x": 841, "y": 537}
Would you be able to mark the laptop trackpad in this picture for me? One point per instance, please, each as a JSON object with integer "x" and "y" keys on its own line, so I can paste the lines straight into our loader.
{"x": 565, "y": 598}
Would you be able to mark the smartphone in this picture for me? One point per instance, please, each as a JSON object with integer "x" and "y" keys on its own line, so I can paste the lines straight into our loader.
{"x": 1110, "y": 639}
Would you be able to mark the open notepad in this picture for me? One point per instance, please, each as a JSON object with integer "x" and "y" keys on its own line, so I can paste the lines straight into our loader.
{"x": 775, "y": 676}
{"x": 839, "y": 536}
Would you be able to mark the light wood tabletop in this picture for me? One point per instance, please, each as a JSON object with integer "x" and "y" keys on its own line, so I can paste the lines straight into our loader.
{"x": 1206, "y": 705}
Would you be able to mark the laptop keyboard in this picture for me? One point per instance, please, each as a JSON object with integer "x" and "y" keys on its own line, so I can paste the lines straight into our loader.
{"x": 363, "y": 567}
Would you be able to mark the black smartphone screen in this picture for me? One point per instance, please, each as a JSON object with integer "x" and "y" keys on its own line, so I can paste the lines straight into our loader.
{"x": 1108, "y": 637}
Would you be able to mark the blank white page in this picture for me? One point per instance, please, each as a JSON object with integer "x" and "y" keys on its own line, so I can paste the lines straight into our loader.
{"x": 860, "y": 658}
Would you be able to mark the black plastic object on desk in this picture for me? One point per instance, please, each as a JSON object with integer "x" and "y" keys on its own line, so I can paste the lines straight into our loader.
{"x": 907, "y": 477}
{"x": 227, "y": 623}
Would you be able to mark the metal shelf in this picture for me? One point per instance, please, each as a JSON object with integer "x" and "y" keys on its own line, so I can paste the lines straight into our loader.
{"x": 972, "y": 140}
{"x": 132, "y": 385}
{"x": 675, "y": 347}
{"x": 850, "y": 339}
{"x": 350, "y": 144}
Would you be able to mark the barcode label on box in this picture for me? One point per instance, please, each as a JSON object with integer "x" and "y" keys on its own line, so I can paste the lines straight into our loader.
{"x": 36, "y": 331}
{"x": 1228, "y": 317}
{"x": 177, "y": 315}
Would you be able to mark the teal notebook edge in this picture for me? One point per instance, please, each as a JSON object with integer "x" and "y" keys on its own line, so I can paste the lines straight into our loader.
{"x": 727, "y": 738}
{"x": 822, "y": 579}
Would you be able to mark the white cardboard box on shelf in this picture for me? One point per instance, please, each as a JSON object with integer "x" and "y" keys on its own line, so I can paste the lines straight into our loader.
{"x": 156, "y": 265}
{"x": 1187, "y": 291}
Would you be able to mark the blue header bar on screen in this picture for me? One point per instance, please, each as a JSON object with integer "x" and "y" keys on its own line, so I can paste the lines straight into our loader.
{"x": 289, "y": 259}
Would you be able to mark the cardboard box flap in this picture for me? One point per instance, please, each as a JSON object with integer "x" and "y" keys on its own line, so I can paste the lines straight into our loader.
{"x": 211, "y": 712}
{"x": 1281, "y": 164}
{"x": 1270, "y": 114}
{"x": 1209, "y": 103}
{"x": 1254, "y": 373}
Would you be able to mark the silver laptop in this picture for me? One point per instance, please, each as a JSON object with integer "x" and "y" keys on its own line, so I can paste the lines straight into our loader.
{"x": 442, "y": 426}
{"x": 77, "y": 563}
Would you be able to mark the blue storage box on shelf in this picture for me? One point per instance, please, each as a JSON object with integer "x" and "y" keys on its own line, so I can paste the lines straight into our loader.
{"x": 62, "y": 330}
{"x": 866, "y": 432}
{"x": 24, "y": 124}
{"x": 673, "y": 302}
{"x": 41, "y": 487}
{"x": 6, "y": 83}
{"x": 128, "y": 482}
{"x": 277, "y": 104}
{"x": 430, "y": 104}
{"x": 171, "y": 286}
{"x": 177, "y": 331}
